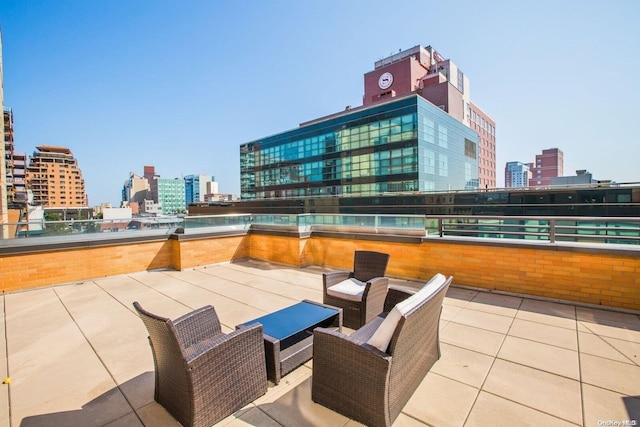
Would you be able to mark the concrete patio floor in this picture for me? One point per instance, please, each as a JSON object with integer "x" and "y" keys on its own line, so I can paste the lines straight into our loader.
{"x": 78, "y": 354}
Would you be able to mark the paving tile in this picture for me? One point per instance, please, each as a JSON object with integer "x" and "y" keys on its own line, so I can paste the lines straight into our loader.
{"x": 545, "y": 392}
{"x": 492, "y": 410}
{"x": 124, "y": 355}
{"x": 630, "y": 350}
{"x": 129, "y": 420}
{"x": 548, "y": 313}
{"x": 462, "y": 365}
{"x": 613, "y": 330}
{"x": 252, "y": 417}
{"x": 553, "y": 335}
{"x": 541, "y": 356}
{"x": 296, "y": 408}
{"x": 449, "y": 312}
{"x": 402, "y": 421}
{"x": 441, "y": 401}
{"x": 602, "y": 405}
{"x": 482, "y": 320}
{"x": 503, "y": 305}
{"x": 140, "y": 389}
{"x": 459, "y": 297}
{"x": 4, "y": 405}
{"x": 472, "y": 338}
{"x": 155, "y": 415}
{"x": 593, "y": 315}
{"x": 598, "y": 346}
{"x": 610, "y": 374}
{"x": 55, "y": 371}
{"x": 287, "y": 383}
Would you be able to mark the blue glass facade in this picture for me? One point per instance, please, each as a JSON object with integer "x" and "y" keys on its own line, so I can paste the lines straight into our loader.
{"x": 404, "y": 145}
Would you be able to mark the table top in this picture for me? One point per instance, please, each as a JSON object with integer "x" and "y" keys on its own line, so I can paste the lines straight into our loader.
{"x": 291, "y": 320}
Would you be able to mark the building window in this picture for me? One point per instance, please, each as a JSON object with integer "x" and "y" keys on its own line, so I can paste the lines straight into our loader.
{"x": 469, "y": 149}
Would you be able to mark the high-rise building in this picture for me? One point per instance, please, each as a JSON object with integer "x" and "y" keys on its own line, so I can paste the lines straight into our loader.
{"x": 424, "y": 71}
{"x": 54, "y": 178}
{"x": 549, "y": 164}
{"x": 4, "y": 216}
{"x": 416, "y": 131}
{"x": 197, "y": 187}
{"x": 517, "y": 174}
{"x": 16, "y": 166}
{"x": 403, "y": 145}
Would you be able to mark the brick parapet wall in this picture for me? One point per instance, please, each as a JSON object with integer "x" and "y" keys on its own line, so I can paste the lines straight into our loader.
{"x": 574, "y": 273}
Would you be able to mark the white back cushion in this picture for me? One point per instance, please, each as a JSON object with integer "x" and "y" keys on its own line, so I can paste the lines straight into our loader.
{"x": 382, "y": 336}
{"x": 350, "y": 289}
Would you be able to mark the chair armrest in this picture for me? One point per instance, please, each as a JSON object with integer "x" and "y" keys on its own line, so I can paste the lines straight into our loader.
{"x": 197, "y": 326}
{"x": 373, "y": 297}
{"x": 330, "y": 279}
{"x": 343, "y": 348}
{"x": 242, "y": 347}
{"x": 393, "y": 297}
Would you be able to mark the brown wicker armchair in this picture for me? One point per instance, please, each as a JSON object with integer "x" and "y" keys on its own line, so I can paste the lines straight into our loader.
{"x": 203, "y": 375}
{"x": 352, "y": 376}
{"x": 358, "y": 308}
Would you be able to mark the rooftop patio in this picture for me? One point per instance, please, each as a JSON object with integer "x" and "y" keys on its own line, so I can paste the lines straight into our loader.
{"x": 78, "y": 354}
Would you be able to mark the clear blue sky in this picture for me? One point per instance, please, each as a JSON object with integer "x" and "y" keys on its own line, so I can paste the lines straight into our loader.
{"x": 181, "y": 84}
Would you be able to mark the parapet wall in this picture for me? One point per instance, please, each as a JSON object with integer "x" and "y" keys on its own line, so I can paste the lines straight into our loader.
{"x": 593, "y": 274}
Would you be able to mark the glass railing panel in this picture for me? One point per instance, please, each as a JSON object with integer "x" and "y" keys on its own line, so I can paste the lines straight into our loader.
{"x": 219, "y": 221}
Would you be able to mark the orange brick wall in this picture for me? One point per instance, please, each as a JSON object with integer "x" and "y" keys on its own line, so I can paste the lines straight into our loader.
{"x": 33, "y": 270}
{"x": 278, "y": 249}
{"x": 595, "y": 278}
{"x": 194, "y": 253}
{"x": 601, "y": 279}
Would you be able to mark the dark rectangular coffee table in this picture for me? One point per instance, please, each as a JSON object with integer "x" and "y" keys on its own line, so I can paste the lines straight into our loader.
{"x": 288, "y": 334}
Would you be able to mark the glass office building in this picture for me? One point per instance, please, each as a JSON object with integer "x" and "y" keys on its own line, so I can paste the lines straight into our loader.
{"x": 404, "y": 145}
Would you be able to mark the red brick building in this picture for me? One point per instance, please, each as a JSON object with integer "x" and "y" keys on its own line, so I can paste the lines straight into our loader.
{"x": 424, "y": 71}
{"x": 549, "y": 164}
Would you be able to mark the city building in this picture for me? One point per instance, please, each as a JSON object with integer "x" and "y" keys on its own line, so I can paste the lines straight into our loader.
{"x": 136, "y": 189}
{"x": 4, "y": 214}
{"x": 405, "y": 144}
{"x": 54, "y": 178}
{"x": 150, "y": 173}
{"x": 395, "y": 142}
{"x": 198, "y": 186}
{"x": 424, "y": 71}
{"x": 517, "y": 174}
{"x": 15, "y": 164}
{"x": 549, "y": 164}
{"x": 171, "y": 195}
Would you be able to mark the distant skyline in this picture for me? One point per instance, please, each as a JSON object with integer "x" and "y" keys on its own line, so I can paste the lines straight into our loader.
{"x": 180, "y": 85}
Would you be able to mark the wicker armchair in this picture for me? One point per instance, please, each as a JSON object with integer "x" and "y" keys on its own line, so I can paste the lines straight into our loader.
{"x": 368, "y": 268}
{"x": 353, "y": 377}
{"x": 203, "y": 375}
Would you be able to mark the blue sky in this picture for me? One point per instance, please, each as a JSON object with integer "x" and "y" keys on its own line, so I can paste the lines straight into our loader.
{"x": 181, "y": 84}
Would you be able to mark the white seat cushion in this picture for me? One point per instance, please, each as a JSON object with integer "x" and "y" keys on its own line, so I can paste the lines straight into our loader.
{"x": 382, "y": 336}
{"x": 350, "y": 289}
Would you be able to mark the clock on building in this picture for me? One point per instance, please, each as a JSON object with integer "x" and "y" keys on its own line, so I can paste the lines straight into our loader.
{"x": 385, "y": 80}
